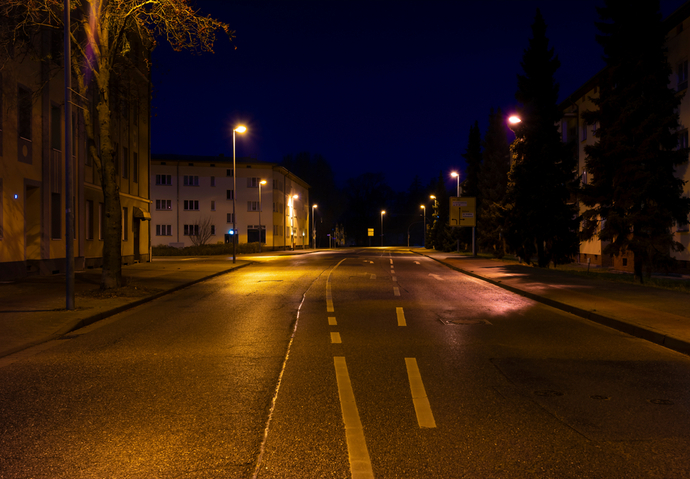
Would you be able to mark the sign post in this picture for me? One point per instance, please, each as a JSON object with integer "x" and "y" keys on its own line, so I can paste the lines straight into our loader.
{"x": 370, "y": 234}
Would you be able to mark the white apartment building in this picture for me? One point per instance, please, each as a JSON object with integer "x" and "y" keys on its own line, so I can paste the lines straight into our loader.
{"x": 187, "y": 191}
{"x": 575, "y": 130}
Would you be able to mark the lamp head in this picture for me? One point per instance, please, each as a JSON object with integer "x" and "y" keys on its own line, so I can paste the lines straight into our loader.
{"x": 240, "y": 129}
{"x": 262, "y": 182}
{"x": 454, "y": 174}
{"x": 514, "y": 119}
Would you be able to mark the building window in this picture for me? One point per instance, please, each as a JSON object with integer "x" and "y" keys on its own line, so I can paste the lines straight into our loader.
{"x": 253, "y": 182}
{"x": 253, "y": 234}
{"x": 230, "y": 218}
{"x": 163, "y": 230}
{"x": 24, "y": 104}
{"x": 162, "y": 205}
{"x": 124, "y": 224}
{"x": 213, "y": 181}
{"x": 191, "y": 180}
{"x": 190, "y": 205}
{"x": 230, "y": 194}
{"x": 89, "y": 219}
{"x": 55, "y": 215}
{"x": 55, "y": 127}
{"x": 213, "y": 229}
{"x": 584, "y": 177}
{"x": 164, "y": 180}
{"x": 191, "y": 230}
{"x": 584, "y": 131}
{"x": 135, "y": 166}
{"x": 125, "y": 163}
{"x": 213, "y": 205}
{"x": 682, "y": 74}
{"x": 278, "y": 185}
{"x": 228, "y": 172}
{"x": 252, "y": 206}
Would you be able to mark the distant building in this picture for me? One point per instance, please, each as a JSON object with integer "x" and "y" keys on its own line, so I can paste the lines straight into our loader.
{"x": 188, "y": 192}
{"x": 575, "y": 131}
{"x": 32, "y": 170}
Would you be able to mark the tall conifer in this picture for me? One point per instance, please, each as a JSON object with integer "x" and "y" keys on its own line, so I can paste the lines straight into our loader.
{"x": 633, "y": 196}
{"x": 540, "y": 218}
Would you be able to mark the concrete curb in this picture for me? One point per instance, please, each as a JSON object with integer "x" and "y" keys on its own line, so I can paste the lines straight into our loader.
{"x": 647, "y": 334}
{"x": 80, "y": 323}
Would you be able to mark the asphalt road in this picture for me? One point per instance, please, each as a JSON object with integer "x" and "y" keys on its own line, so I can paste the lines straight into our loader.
{"x": 369, "y": 363}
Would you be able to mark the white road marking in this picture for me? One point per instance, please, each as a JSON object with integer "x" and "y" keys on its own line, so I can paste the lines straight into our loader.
{"x": 395, "y": 278}
{"x": 435, "y": 276}
{"x": 417, "y": 262}
{"x": 425, "y": 417}
{"x": 332, "y": 321}
{"x": 360, "y": 463}
{"x": 391, "y": 260}
{"x": 392, "y": 271}
{"x": 335, "y": 338}
{"x": 396, "y": 291}
{"x": 401, "y": 316}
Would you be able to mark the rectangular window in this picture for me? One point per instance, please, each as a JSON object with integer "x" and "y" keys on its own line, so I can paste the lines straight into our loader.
{"x": 230, "y": 218}
{"x": 55, "y": 132}
{"x": 163, "y": 230}
{"x": 252, "y": 182}
{"x": 682, "y": 74}
{"x": 213, "y": 205}
{"x": 584, "y": 131}
{"x": 190, "y": 205}
{"x": 191, "y": 230}
{"x": 164, "y": 205}
{"x": 55, "y": 215}
{"x": 164, "y": 180}
{"x": 101, "y": 221}
{"x": 278, "y": 185}
{"x": 190, "y": 180}
{"x": 230, "y": 194}
{"x": 89, "y": 219}
{"x": 584, "y": 177}
{"x": 213, "y": 181}
{"x": 277, "y": 230}
{"x": 228, "y": 172}
{"x": 24, "y": 104}
{"x": 252, "y": 206}
{"x": 135, "y": 167}
{"x": 213, "y": 229}
{"x": 125, "y": 163}
{"x": 124, "y": 224}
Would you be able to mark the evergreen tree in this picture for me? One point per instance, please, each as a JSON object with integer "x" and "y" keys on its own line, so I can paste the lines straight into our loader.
{"x": 440, "y": 231}
{"x": 473, "y": 158}
{"x": 633, "y": 197}
{"x": 540, "y": 220}
{"x": 493, "y": 181}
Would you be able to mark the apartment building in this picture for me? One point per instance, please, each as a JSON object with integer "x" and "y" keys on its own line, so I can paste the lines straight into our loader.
{"x": 32, "y": 171}
{"x": 578, "y": 133}
{"x": 193, "y": 192}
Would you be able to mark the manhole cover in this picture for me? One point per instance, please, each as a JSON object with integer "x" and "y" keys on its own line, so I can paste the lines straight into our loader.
{"x": 663, "y": 402}
{"x": 548, "y": 393}
{"x": 600, "y": 397}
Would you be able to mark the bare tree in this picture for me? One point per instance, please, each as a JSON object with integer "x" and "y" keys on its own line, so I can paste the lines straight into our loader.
{"x": 111, "y": 43}
{"x": 202, "y": 231}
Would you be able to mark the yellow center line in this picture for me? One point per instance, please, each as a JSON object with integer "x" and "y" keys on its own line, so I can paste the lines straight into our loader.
{"x": 396, "y": 291}
{"x": 329, "y": 298}
{"x": 401, "y": 317}
{"x": 335, "y": 338}
{"x": 425, "y": 417}
{"x": 332, "y": 321}
{"x": 360, "y": 463}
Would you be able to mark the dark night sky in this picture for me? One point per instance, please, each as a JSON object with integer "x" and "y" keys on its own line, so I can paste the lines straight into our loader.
{"x": 373, "y": 86}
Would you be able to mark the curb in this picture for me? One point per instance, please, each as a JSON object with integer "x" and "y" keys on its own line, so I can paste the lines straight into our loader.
{"x": 675, "y": 344}
{"x": 80, "y": 323}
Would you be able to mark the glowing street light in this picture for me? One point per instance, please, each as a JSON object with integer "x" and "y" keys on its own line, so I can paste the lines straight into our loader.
{"x": 514, "y": 120}
{"x": 424, "y": 215}
{"x": 313, "y": 226}
{"x": 292, "y": 223}
{"x": 239, "y": 129}
{"x": 456, "y": 176}
{"x": 262, "y": 182}
{"x": 383, "y": 212}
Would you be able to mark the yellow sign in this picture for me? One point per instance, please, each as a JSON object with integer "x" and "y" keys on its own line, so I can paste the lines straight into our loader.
{"x": 463, "y": 211}
{"x": 371, "y": 231}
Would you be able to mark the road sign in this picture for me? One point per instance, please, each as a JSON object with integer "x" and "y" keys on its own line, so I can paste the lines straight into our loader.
{"x": 463, "y": 211}
{"x": 371, "y": 231}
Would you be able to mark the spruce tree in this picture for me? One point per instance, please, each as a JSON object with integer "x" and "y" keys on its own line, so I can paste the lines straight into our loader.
{"x": 473, "y": 158}
{"x": 633, "y": 196}
{"x": 541, "y": 220}
{"x": 493, "y": 181}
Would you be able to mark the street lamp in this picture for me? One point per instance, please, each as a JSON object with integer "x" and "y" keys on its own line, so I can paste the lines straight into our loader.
{"x": 313, "y": 226}
{"x": 457, "y": 176}
{"x": 383, "y": 212}
{"x": 292, "y": 223}
{"x": 239, "y": 129}
{"x": 424, "y": 215}
{"x": 514, "y": 120}
{"x": 262, "y": 182}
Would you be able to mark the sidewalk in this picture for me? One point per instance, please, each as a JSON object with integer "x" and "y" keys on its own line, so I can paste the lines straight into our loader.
{"x": 657, "y": 315}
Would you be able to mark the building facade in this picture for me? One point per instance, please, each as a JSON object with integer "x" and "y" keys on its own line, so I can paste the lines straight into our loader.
{"x": 576, "y": 132}
{"x": 32, "y": 172}
{"x": 191, "y": 195}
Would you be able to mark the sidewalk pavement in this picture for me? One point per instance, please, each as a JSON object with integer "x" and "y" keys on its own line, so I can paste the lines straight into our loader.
{"x": 657, "y": 315}
{"x": 32, "y": 311}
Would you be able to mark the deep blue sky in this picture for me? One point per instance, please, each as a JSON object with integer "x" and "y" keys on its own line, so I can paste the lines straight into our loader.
{"x": 387, "y": 86}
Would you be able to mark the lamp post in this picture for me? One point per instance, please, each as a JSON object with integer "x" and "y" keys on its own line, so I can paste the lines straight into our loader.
{"x": 313, "y": 226}
{"x": 292, "y": 222}
{"x": 239, "y": 129}
{"x": 457, "y": 176}
{"x": 383, "y": 212}
{"x": 424, "y": 215}
{"x": 262, "y": 182}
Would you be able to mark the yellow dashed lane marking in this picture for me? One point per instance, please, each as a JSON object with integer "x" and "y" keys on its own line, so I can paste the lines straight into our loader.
{"x": 425, "y": 417}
